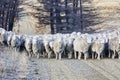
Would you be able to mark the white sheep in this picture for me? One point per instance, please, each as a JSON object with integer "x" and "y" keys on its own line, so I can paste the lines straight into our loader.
{"x": 28, "y": 45}
{"x": 58, "y": 47}
{"x": 16, "y": 42}
{"x": 9, "y": 38}
{"x": 69, "y": 47}
{"x": 1, "y": 29}
{"x": 81, "y": 46}
{"x": 3, "y": 37}
{"x": 114, "y": 46}
{"x": 48, "y": 48}
{"x": 37, "y": 45}
{"x": 98, "y": 47}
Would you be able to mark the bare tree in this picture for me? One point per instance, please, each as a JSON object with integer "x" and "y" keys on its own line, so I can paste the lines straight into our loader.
{"x": 81, "y": 16}
{"x": 65, "y": 16}
{"x": 75, "y": 6}
{"x": 51, "y": 17}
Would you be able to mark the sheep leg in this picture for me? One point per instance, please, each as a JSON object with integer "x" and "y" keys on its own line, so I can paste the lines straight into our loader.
{"x": 79, "y": 55}
{"x": 44, "y": 54}
{"x": 113, "y": 56}
{"x": 30, "y": 55}
{"x": 64, "y": 53}
{"x": 85, "y": 56}
{"x": 56, "y": 56}
{"x": 109, "y": 54}
{"x": 49, "y": 55}
{"x": 34, "y": 54}
{"x": 75, "y": 54}
{"x": 60, "y": 56}
{"x": 15, "y": 49}
{"x": 92, "y": 55}
{"x": 38, "y": 55}
{"x": 102, "y": 55}
{"x": 9, "y": 47}
{"x": 119, "y": 55}
{"x": 70, "y": 55}
{"x": 98, "y": 57}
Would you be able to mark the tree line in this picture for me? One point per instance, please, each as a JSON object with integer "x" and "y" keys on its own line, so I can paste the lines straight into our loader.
{"x": 64, "y": 15}
{"x": 8, "y": 13}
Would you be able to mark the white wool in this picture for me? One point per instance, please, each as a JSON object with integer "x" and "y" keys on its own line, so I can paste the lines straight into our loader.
{"x": 51, "y": 44}
{"x": 9, "y": 37}
{"x": 100, "y": 41}
{"x": 28, "y": 40}
{"x": 3, "y": 32}
{"x": 79, "y": 33}
{"x": 89, "y": 39}
{"x": 34, "y": 40}
{"x": 46, "y": 42}
{"x": 1, "y": 29}
{"x": 70, "y": 40}
{"x": 74, "y": 33}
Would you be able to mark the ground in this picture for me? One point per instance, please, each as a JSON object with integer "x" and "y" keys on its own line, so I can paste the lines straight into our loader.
{"x": 18, "y": 66}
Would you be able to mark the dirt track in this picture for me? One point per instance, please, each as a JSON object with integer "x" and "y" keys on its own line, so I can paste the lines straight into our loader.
{"x": 17, "y": 66}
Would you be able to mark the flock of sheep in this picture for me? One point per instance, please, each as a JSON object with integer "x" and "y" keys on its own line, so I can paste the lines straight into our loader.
{"x": 75, "y": 45}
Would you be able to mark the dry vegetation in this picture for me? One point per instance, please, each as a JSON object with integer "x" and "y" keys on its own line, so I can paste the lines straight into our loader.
{"x": 27, "y": 21}
{"x": 108, "y": 13}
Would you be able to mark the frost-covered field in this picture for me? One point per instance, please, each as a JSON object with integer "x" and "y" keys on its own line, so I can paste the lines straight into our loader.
{"x": 17, "y": 66}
